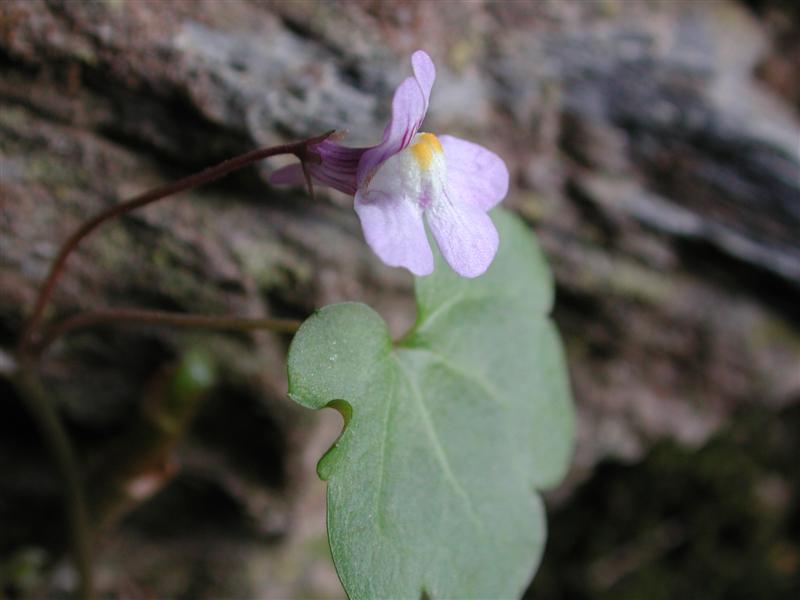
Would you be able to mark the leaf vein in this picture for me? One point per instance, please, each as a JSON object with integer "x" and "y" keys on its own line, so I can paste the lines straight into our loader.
{"x": 472, "y": 376}
{"x": 439, "y": 451}
{"x": 382, "y": 470}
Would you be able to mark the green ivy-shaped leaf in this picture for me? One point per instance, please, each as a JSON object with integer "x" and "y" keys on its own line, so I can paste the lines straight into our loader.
{"x": 448, "y": 432}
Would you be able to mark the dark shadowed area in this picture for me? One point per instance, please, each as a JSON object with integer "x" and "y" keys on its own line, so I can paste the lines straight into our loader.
{"x": 654, "y": 148}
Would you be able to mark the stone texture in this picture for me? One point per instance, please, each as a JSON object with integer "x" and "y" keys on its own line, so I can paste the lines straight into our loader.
{"x": 653, "y": 147}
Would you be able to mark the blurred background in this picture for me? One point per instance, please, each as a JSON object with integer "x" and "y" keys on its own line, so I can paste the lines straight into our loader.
{"x": 653, "y": 147}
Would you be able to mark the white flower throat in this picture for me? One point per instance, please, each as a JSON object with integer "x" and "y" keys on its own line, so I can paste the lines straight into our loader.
{"x": 418, "y": 172}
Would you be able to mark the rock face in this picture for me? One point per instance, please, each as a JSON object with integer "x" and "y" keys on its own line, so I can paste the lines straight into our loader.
{"x": 653, "y": 146}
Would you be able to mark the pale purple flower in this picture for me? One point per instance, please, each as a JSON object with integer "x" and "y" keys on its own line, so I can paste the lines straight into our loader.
{"x": 450, "y": 181}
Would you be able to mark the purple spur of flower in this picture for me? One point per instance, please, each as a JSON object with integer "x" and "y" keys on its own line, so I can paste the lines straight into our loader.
{"x": 453, "y": 183}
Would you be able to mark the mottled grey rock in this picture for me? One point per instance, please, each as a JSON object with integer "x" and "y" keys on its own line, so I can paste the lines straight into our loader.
{"x": 659, "y": 171}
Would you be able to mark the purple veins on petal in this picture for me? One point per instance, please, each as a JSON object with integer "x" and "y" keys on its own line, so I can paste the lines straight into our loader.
{"x": 337, "y": 168}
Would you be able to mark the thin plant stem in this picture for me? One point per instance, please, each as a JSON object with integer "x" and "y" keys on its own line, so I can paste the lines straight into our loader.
{"x": 299, "y": 149}
{"x": 28, "y": 383}
{"x": 47, "y": 420}
{"x": 157, "y": 317}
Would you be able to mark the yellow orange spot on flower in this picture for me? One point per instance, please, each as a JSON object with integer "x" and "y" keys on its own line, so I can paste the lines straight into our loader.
{"x": 425, "y": 148}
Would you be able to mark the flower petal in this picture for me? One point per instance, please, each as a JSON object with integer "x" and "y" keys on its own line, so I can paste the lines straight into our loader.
{"x": 337, "y": 168}
{"x": 409, "y": 105}
{"x": 425, "y": 72}
{"x": 394, "y": 229}
{"x": 474, "y": 171}
{"x": 464, "y": 232}
{"x": 288, "y": 175}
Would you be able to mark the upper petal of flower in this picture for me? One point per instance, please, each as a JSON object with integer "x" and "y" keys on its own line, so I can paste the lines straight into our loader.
{"x": 409, "y": 105}
{"x": 394, "y": 229}
{"x": 474, "y": 172}
{"x": 464, "y": 233}
{"x": 425, "y": 73}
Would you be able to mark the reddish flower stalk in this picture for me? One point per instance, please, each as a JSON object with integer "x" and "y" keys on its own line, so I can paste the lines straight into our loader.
{"x": 302, "y": 150}
{"x": 157, "y": 317}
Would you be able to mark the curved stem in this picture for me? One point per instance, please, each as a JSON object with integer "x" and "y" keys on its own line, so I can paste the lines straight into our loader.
{"x": 157, "y": 317}
{"x": 49, "y": 424}
{"x": 299, "y": 149}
